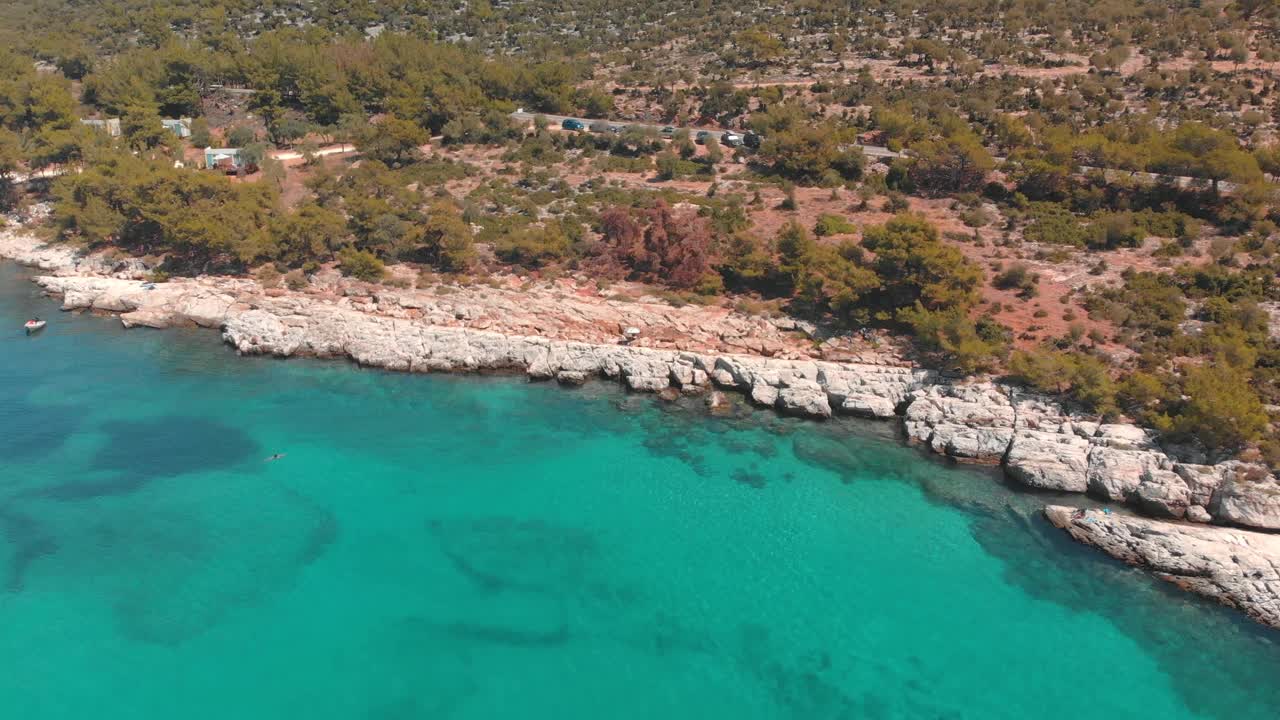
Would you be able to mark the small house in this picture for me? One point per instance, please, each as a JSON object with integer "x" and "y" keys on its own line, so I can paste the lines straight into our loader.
{"x": 111, "y": 126}
{"x": 227, "y": 160}
{"x": 178, "y": 126}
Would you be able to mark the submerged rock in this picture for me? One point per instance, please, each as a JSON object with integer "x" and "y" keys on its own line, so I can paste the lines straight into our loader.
{"x": 718, "y": 402}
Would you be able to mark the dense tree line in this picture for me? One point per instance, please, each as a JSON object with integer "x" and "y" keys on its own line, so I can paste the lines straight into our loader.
{"x": 941, "y": 37}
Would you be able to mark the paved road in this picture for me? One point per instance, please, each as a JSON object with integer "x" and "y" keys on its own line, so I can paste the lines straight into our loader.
{"x": 874, "y": 151}
{"x": 319, "y": 152}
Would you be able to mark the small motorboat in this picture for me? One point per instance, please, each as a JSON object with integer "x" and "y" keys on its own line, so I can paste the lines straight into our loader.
{"x": 34, "y": 326}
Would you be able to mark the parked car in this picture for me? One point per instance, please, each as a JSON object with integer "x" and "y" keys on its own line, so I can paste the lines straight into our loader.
{"x": 571, "y": 124}
{"x": 668, "y": 131}
{"x": 701, "y": 137}
{"x": 617, "y": 129}
{"x": 732, "y": 139}
{"x": 752, "y": 139}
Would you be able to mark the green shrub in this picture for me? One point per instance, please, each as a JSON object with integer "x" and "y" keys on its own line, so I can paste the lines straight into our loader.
{"x": 896, "y": 202}
{"x": 295, "y": 280}
{"x": 1017, "y": 277}
{"x": 955, "y": 340}
{"x": 1053, "y": 224}
{"x": 1076, "y": 375}
{"x": 361, "y": 264}
{"x": 833, "y": 225}
{"x": 976, "y": 217}
{"x": 1108, "y": 231}
{"x": 533, "y": 247}
{"x": 1221, "y": 410}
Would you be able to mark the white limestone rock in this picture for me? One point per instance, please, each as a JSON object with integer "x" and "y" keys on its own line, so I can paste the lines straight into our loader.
{"x": 1202, "y": 480}
{"x": 1197, "y": 514}
{"x": 260, "y": 332}
{"x": 1048, "y": 461}
{"x": 979, "y": 444}
{"x": 152, "y": 318}
{"x": 867, "y": 406}
{"x": 805, "y": 398}
{"x": 1237, "y": 568}
{"x": 1249, "y": 497}
{"x": 1162, "y": 493}
{"x": 1123, "y": 436}
{"x": 208, "y": 311}
{"x": 764, "y": 394}
{"x": 1114, "y": 474}
{"x": 572, "y": 378}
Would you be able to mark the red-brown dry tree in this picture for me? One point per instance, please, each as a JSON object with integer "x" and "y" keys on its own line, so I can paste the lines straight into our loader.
{"x": 657, "y": 245}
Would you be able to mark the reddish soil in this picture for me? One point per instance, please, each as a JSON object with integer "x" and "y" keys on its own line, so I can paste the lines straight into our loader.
{"x": 1059, "y": 290}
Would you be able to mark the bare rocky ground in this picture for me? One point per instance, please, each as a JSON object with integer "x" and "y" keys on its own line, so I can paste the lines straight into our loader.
{"x": 569, "y": 333}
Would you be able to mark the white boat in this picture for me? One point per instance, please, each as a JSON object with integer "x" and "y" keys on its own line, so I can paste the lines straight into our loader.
{"x": 33, "y": 326}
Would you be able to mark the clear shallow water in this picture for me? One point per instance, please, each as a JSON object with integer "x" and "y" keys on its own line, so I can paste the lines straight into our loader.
{"x": 436, "y": 547}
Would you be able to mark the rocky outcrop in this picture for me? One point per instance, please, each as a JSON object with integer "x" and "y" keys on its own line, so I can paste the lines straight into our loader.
{"x": 1237, "y": 568}
{"x": 67, "y": 260}
{"x": 1045, "y": 447}
{"x": 292, "y": 325}
{"x": 1247, "y": 496}
{"x": 1040, "y": 444}
{"x": 1049, "y": 461}
{"x": 805, "y": 398}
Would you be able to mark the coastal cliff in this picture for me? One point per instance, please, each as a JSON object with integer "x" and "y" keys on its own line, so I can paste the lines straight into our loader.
{"x": 1039, "y": 443}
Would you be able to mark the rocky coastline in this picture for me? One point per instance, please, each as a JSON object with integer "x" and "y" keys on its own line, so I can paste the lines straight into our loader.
{"x": 1039, "y": 443}
{"x": 1238, "y": 568}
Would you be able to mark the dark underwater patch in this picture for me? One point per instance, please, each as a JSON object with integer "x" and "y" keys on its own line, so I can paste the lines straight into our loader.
{"x": 501, "y": 554}
{"x": 31, "y": 429}
{"x": 750, "y": 478}
{"x": 217, "y": 569}
{"x": 1045, "y": 563}
{"x": 29, "y": 541}
{"x": 172, "y": 445}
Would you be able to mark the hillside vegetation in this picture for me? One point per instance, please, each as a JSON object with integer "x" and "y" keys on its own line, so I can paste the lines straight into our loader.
{"x": 1083, "y": 200}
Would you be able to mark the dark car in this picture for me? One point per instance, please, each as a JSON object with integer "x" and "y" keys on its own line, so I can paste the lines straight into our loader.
{"x": 752, "y": 139}
{"x": 668, "y": 131}
{"x": 571, "y": 124}
{"x": 701, "y": 137}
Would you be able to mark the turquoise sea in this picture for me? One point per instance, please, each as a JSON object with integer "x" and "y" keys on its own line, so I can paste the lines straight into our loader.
{"x": 467, "y": 547}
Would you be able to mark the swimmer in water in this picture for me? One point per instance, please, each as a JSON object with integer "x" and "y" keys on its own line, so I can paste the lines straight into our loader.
{"x": 275, "y": 457}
